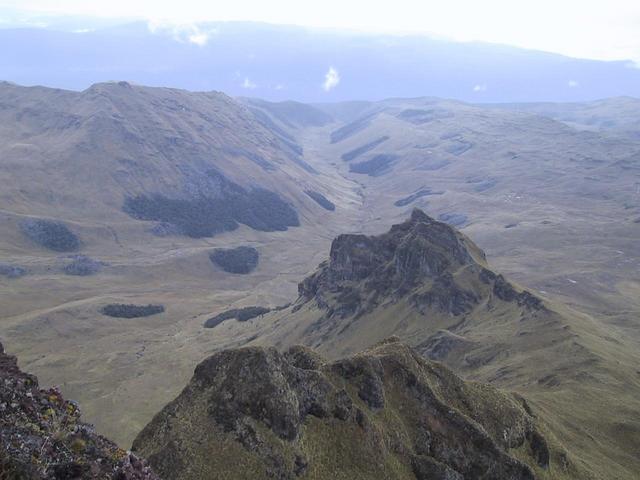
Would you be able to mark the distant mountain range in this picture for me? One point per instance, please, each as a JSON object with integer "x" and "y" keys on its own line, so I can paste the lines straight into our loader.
{"x": 278, "y": 62}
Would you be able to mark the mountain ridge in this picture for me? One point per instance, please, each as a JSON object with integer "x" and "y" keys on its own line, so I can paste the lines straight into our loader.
{"x": 391, "y": 413}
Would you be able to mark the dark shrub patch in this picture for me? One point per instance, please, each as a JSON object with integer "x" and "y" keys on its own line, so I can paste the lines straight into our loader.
{"x": 240, "y": 314}
{"x": 12, "y": 271}
{"x": 347, "y": 157}
{"x": 418, "y": 117}
{"x": 235, "y": 260}
{"x": 122, "y": 310}
{"x": 414, "y": 196}
{"x": 352, "y": 128}
{"x": 50, "y": 234}
{"x": 378, "y": 165}
{"x": 82, "y": 265}
{"x": 196, "y": 218}
{"x": 264, "y": 210}
{"x": 321, "y": 200}
{"x": 205, "y": 217}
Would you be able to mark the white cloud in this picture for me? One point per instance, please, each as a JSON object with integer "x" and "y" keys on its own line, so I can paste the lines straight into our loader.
{"x": 184, "y": 33}
{"x": 573, "y": 84}
{"x": 248, "y": 84}
{"x": 480, "y": 88}
{"x": 331, "y": 79}
{"x": 199, "y": 38}
{"x": 279, "y": 86}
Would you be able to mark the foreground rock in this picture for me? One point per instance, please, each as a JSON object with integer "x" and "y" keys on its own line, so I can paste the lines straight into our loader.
{"x": 42, "y": 437}
{"x": 385, "y": 413}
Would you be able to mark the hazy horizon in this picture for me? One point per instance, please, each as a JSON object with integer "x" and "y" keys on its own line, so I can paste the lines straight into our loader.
{"x": 587, "y": 30}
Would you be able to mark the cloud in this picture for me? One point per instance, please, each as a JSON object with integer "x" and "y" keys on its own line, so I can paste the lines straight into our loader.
{"x": 480, "y": 88}
{"x": 199, "y": 38}
{"x": 248, "y": 84}
{"x": 279, "y": 86}
{"x": 183, "y": 33}
{"x": 572, "y": 84}
{"x": 331, "y": 79}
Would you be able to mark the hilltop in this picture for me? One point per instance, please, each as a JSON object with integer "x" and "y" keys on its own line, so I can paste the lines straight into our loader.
{"x": 382, "y": 413}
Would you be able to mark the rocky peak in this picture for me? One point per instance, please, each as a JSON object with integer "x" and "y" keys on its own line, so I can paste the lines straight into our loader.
{"x": 42, "y": 437}
{"x": 387, "y": 412}
{"x": 419, "y": 247}
{"x": 420, "y": 258}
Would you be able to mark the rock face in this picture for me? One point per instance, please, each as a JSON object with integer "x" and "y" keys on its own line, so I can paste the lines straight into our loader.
{"x": 430, "y": 263}
{"x": 385, "y": 413}
{"x": 42, "y": 437}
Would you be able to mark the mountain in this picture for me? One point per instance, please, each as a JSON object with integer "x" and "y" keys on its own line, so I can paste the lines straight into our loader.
{"x": 118, "y": 194}
{"x": 116, "y": 246}
{"x": 429, "y": 284}
{"x": 618, "y": 114}
{"x": 279, "y": 62}
{"x": 383, "y": 413}
{"x": 41, "y": 435}
{"x": 150, "y": 154}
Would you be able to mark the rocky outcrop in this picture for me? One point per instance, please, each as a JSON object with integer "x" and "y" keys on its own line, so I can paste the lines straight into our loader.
{"x": 42, "y": 437}
{"x": 427, "y": 262}
{"x": 385, "y": 413}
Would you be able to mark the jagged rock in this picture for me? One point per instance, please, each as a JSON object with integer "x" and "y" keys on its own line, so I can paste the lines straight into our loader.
{"x": 426, "y": 261}
{"x": 42, "y": 437}
{"x": 384, "y": 413}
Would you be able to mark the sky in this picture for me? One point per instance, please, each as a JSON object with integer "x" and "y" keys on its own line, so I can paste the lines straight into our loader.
{"x": 595, "y": 29}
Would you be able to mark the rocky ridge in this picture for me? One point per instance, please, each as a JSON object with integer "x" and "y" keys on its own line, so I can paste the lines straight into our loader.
{"x": 432, "y": 264}
{"x": 255, "y": 412}
{"x": 42, "y": 436}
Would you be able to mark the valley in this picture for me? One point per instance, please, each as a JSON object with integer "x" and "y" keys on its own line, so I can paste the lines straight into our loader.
{"x": 554, "y": 205}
